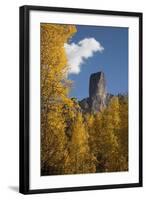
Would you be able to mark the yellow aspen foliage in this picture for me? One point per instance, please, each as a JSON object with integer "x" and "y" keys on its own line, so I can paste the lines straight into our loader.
{"x": 54, "y": 95}
{"x": 119, "y": 113}
{"x": 53, "y": 60}
{"x": 79, "y": 158}
{"x": 113, "y": 113}
{"x": 53, "y": 142}
{"x": 123, "y": 131}
{"x": 103, "y": 137}
{"x": 111, "y": 121}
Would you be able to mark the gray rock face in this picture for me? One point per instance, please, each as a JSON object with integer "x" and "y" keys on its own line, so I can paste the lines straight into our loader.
{"x": 97, "y": 94}
{"x": 84, "y": 104}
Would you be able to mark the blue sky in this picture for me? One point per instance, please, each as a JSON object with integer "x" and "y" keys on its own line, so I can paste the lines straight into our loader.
{"x": 113, "y": 60}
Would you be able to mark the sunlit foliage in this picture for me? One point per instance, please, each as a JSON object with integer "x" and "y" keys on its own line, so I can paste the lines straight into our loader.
{"x": 54, "y": 90}
{"x": 80, "y": 159}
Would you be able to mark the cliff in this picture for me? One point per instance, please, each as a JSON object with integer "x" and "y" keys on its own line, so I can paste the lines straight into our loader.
{"x": 97, "y": 99}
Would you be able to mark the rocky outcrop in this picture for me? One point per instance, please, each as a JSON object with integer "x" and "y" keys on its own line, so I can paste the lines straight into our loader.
{"x": 97, "y": 92}
{"x": 84, "y": 104}
{"x": 97, "y": 99}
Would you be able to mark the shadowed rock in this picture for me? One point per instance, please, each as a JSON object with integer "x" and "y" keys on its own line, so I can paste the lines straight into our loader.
{"x": 97, "y": 94}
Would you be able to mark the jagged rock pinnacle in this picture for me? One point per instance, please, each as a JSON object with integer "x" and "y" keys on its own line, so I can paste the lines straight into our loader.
{"x": 97, "y": 94}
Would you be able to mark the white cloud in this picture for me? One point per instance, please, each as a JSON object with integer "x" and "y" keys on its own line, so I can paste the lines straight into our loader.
{"x": 77, "y": 53}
